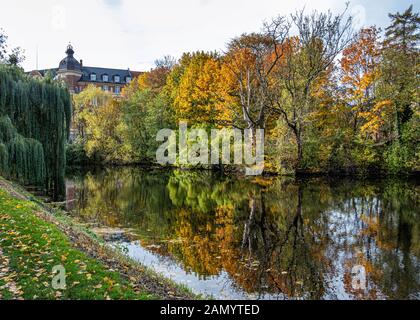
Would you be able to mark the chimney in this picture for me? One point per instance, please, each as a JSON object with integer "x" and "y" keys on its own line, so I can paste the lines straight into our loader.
{"x": 81, "y": 62}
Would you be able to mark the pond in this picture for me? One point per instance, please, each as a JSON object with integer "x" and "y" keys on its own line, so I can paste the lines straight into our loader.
{"x": 255, "y": 238}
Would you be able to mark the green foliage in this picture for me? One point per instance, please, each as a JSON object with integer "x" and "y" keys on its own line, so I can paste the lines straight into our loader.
{"x": 4, "y": 159}
{"x": 397, "y": 158}
{"x": 404, "y": 155}
{"x": 76, "y": 154}
{"x": 144, "y": 114}
{"x": 26, "y": 160}
{"x": 400, "y": 68}
{"x": 20, "y": 158}
{"x": 7, "y": 130}
{"x": 34, "y": 125}
{"x": 403, "y": 30}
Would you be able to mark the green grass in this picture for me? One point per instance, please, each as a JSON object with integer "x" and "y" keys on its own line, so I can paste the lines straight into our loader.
{"x": 32, "y": 247}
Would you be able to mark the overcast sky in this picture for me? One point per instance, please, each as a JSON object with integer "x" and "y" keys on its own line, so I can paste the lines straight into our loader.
{"x": 132, "y": 34}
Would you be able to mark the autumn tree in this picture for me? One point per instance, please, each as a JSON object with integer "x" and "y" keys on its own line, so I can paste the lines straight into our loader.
{"x": 97, "y": 120}
{"x": 320, "y": 38}
{"x": 85, "y": 103}
{"x": 249, "y": 63}
{"x": 359, "y": 75}
{"x": 155, "y": 79}
{"x": 104, "y": 136}
{"x": 195, "y": 88}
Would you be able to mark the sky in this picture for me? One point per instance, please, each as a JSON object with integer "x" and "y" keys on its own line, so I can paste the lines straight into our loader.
{"x": 133, "y": 34}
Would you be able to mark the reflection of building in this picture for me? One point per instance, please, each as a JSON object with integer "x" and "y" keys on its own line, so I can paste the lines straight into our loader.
{"x": 70, "y": 195}
{"x": 78, "y": 77}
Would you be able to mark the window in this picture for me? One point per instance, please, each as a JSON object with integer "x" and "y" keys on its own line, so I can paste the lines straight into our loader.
{"x": 93, "y": 77}
{"x": 105, "y": 78}
{"x": 116, "y": 79}
{"x": 117, "y": 90}
{"x": 128, "y": 79}
{"x": 105, "y": 88}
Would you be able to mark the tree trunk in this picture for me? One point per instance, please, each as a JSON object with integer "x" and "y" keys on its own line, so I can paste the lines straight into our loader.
{"x": 298, "y": 138}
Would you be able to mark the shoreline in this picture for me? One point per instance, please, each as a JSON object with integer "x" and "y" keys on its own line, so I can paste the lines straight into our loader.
{"x": 233, "y": 171}
{"x": 139, "y": 282}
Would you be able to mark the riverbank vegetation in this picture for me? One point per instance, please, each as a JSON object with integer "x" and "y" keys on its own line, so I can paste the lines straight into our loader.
{"x": 329, "y": 99}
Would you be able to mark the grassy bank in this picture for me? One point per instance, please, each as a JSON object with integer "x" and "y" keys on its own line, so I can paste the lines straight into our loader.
{"x": 33, "y": 241}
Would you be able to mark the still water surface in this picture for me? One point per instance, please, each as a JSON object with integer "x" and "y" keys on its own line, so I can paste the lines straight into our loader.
{"x": 260, "y": 238}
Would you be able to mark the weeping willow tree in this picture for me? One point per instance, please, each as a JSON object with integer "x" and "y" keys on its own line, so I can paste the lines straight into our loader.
{"x": 4, "y": 158}
{"x": 34, "y": 126}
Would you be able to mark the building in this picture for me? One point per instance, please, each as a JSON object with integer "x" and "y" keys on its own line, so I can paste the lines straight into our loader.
{"x": 78, "y": 77}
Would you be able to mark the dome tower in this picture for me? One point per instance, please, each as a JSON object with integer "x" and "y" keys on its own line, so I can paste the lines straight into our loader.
{"x": 70, "y": 70}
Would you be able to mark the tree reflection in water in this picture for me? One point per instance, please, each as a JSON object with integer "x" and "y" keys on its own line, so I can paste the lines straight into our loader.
{"x": 278, "y": 236}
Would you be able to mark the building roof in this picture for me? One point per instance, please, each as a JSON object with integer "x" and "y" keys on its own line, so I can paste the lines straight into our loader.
{"x": 45, "y": 71}
{"x": 136, "y": 74}
{"x": 69, "y": 62}
{"x": 87, "y": 71}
